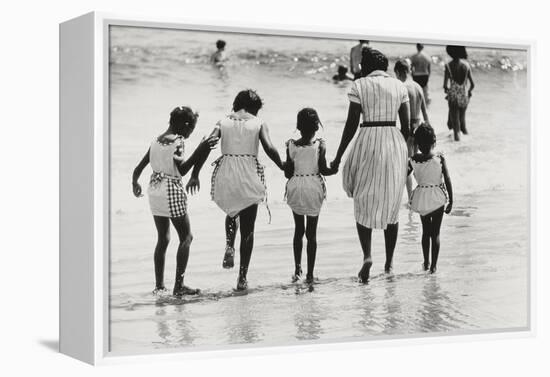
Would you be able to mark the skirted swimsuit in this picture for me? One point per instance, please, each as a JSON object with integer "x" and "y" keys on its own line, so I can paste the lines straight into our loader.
{"x": 375, "y": 171}
{"x": 238, "y": 179}
{"x": 430, "y": 194}
{"x": 166, "y": 192}
{"x": 305, "y": 190}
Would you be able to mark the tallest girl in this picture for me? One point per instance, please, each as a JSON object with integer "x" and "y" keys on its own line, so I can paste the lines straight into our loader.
{"x": 375, "y": 172}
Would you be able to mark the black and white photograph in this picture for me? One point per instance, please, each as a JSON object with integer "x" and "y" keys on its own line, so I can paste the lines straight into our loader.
{"x": 275, "y": 190}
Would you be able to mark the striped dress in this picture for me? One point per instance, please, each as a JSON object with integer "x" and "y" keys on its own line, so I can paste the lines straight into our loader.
{"x": 375, "y": 171}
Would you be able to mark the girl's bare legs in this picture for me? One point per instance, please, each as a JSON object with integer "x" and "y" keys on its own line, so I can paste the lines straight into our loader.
{"x": 365, "y": 238}
{"x": 231, "y": 227}
{"x": 299, "y": 231}
{"x": 163, "y": 239}
{"x": 247, "y": 218}
{"x": 437, "y": 218}
{"x": 390, "y": 239}
{"x": 431, "y": 224}
{"x": 426, "y": 238}
{"x": 183, "y": 227}
{"x": 311, "y": 236}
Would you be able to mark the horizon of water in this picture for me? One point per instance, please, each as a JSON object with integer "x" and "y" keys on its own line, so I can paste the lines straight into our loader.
{"x": 482, "y": 282}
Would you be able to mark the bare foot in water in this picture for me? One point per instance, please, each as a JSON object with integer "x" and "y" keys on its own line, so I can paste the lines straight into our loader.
{"x": 364, "y": 273}
{"x": 297, "y": 275}
{"x": 229, "y": 257}
{"x": 160, "y": 291}
{"x": 242, "y": 284}
{"x": 185, "y": 290}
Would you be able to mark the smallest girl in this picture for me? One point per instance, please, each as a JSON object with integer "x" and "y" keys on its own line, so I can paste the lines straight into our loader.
{"x": 430, "y": 195}
{"x": 305, "y": 189}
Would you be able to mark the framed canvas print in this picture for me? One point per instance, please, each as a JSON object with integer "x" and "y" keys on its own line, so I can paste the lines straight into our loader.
{"x": 234, "y": 187}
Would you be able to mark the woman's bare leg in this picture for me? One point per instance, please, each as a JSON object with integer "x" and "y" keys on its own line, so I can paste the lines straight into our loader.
{"x": 390, "y": 239}
{"x": 462, "y": 119}
{"x": 365, "y": 238}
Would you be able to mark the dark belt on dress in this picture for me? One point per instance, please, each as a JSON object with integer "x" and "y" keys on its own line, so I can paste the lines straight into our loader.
{"x": 378, "y": 124}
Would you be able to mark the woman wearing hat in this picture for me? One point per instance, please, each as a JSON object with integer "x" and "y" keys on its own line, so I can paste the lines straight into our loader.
{"x": 375, "y": 171}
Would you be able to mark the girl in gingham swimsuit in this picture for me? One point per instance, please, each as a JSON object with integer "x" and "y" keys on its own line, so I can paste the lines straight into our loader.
{"x": 167, "y": 198}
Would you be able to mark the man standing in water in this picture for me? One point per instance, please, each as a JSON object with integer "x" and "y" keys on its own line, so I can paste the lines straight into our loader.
{"x": 421, "y": 69}
{"x": 356, "y": 54}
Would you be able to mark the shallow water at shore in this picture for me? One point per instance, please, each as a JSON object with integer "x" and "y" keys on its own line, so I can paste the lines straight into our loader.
{"x": 482, "y": 282}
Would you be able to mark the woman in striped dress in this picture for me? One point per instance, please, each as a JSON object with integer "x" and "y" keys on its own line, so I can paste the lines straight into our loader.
{"x": 375, "y": 172}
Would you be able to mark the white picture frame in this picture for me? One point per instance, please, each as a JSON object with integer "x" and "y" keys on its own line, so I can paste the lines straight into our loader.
{"x": 84, "y": 228}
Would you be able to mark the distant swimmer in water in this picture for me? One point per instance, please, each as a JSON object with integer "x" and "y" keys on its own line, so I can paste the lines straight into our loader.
{"x": 342, "y": 74}
{"x": 219, "y": 57}
{"x": 421, "y": 69}
{"x": 458, "y": 73}
{"x": 433, "y": 191}
{"x": 356, "y": 54}
{"x": 417, "y": 106}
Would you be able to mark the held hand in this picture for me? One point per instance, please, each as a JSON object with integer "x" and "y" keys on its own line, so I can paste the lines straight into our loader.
{"x": 136, "y": 188}
{"x": 193, "y": 186}
{"x": 208, "y": 144}
{"x": 469, "y": 93}
{"x": 449, "y": 208}
{"x": 288, "y": 168}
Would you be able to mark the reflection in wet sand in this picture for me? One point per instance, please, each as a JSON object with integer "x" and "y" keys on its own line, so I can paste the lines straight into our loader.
{"x": 242, "y": 321}
{"x": 307, "y": 319}
{"x": 175, "y": 330}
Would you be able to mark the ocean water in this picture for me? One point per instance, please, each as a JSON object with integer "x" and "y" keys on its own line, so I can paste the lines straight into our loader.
{"x": 482, "y": 281}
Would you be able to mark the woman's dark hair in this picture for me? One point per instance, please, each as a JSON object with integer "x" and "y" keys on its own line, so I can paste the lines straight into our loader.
{"x": 220, "y": 44}
{"x": 248, "y": 100}
{"x": 182, "y": 117}
{"x": 373, "y": 60}
{"x": 402, "y": 67}
{"x": 424, "y": 137}
{"x": 457, "y": 52}
{"x": 419, "y": 46}
{"x": 308, "y": 120}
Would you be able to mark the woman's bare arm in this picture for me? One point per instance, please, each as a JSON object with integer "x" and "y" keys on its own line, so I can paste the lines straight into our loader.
{"x": 352, "y": 122}
{"x": 269, "y": 149}
{"x": 472, "y": 85}
{"x": 404, "y": 119}
{"x": 424, "y": 109}
{"x": 446, "y": 79}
